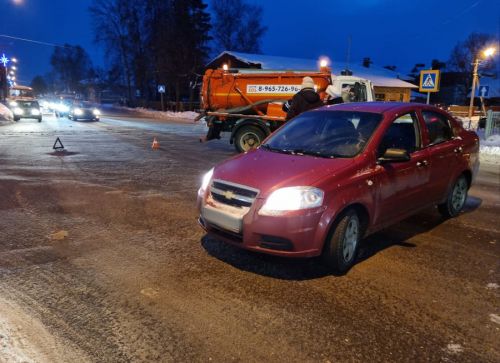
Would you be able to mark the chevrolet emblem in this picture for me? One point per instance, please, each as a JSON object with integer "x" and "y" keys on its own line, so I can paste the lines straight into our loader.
{"x": 228, "y": 194}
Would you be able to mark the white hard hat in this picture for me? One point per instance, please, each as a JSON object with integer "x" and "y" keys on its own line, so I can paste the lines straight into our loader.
{"x": 330, "y": 91}
{"x": 307, "y": 82}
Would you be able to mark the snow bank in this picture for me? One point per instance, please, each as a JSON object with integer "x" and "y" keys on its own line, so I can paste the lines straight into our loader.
{"x": 493, "y": 140}
{"x": 5, "y": 113}
{"x": 181, "y": 116}
{"x": 489, "y": 150}
{"x": 469, "y": 124}
{"x": 188, "y": 115}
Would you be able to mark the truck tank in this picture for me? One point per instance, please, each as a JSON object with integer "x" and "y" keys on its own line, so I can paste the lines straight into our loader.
{"x": 230, "y": 89}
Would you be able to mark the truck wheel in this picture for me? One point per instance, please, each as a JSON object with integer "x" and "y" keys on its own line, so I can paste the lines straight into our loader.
{"x": 342, "y": 243}
{"x": 248, "y": 137}
{"x": 456, "y": 198}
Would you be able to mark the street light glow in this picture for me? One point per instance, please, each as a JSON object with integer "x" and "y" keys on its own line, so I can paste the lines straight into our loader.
{"x": 14, "y": 60}
{"x": 489, "y": 52}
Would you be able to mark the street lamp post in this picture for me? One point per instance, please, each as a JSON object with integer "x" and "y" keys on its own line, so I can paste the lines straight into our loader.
{"x": 487, "y": 53}
{"x": 3, "y": 77}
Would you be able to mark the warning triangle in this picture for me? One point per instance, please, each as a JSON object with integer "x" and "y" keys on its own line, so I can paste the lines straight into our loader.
{"x": 58, "y": 145}
{"x": 429, "y": 82}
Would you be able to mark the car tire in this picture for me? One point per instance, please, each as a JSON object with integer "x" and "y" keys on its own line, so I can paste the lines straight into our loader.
{"x": 456, "y": 198}
{"x": 39, "y": 119}
{"x": 341, "y": 246}
{"x": 248, "y": 137}
{"x": 16, "y": 118}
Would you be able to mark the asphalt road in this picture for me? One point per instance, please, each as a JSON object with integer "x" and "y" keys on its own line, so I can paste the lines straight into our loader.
{"x": 101, "y": 260}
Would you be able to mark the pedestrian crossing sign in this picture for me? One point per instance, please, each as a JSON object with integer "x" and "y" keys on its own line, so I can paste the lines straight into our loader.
{"x": 429, "y": 80}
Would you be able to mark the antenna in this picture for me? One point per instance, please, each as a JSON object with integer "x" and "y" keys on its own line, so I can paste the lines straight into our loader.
{"x": 349, "y": 41}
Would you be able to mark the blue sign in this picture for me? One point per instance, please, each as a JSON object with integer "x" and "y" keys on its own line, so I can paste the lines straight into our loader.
{"x": 161, "y": 88}
{"x": 429, "y": 80}
{"x": 483, "y": 91}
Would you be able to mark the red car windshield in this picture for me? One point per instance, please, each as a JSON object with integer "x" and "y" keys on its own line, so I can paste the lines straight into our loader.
{"x": 325, "y": 134}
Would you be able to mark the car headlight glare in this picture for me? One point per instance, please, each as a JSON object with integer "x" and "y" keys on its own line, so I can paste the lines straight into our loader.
{"x": 18, "y": 111}
{"x": 13, "y": 104}
{"x": 62, "y": 108}
{"x": 206, "y": 180}
{"x": 292, "y": 199}
{"x": 96, "y": 112}
{"x": 35, "y": 112}
{"x": 78, "y": 111}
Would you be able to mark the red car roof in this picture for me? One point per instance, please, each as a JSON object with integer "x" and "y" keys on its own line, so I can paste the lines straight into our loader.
{"x": 375, "y": 107}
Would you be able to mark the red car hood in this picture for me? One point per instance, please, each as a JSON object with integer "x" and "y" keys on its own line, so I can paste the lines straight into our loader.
{"x": 267, "y": 171}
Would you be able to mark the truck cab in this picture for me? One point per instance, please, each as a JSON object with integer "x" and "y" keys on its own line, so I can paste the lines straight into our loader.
{"x": 362, "y": 89}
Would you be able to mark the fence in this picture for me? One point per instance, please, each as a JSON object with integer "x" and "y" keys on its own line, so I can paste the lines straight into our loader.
{"x": 492, "y": 124}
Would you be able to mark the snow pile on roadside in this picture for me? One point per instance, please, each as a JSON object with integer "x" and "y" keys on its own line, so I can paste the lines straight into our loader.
{"x": 490, "y": 149}
{"x": 493, "y": 141}
{"x": 186, "y": 115}
{"x": 469, "y": 124}
{"x": 5, "y": 113}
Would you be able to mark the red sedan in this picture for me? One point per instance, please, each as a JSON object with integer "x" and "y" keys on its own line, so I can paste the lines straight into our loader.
{"x": 333, "y": 175}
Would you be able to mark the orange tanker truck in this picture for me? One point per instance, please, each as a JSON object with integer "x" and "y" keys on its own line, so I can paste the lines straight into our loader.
{"x": 248, "y": 103}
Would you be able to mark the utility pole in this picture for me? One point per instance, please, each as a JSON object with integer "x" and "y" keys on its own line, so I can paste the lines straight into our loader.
{"x": 473, "y": 91}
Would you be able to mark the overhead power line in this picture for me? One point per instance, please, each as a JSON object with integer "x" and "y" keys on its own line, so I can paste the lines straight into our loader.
{"x": 33, "y": 41}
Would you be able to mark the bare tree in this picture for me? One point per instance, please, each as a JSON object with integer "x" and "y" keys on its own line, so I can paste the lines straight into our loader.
{"x": 111, "y": 28}
{"x": 464, "y": 54}
{"x": 237, "y": 26}
{"x": 71, "y": 65}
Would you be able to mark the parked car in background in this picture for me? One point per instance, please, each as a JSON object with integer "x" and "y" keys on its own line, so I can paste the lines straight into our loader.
{"x": 83, "y": 111}
{"x": 25, "y": 109}
{"x": 333, "y": 175}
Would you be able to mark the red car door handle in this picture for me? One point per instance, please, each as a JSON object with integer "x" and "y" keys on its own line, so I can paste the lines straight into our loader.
{"x": 458, "y": 150}
{"x": 422, "y": 163}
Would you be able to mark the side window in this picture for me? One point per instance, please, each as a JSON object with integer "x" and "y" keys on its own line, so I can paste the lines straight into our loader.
{"x": 354, "y": 92}
{"x": 438, "y": 126}
{"x": 403, "y": 134}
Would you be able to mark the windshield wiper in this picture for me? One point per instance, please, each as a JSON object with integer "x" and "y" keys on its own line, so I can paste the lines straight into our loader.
{"x": 273, "y": 149}
{"x": 310, "y": 153}
{"x": 299, "y": 152}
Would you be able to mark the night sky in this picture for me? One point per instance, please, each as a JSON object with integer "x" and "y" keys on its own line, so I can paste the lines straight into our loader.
{"x": 391, "y": 32}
